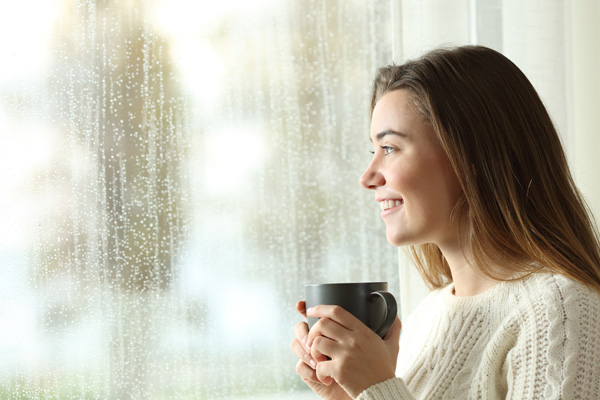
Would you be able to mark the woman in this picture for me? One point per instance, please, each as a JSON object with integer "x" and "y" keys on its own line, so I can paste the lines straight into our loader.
{"x": 470, "y": 173}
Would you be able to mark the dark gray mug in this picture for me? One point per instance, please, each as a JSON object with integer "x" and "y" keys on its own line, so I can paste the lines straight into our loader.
{"x": 370, "y": 302}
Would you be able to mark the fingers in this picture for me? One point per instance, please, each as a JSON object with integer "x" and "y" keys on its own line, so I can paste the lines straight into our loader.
{"x": 322, "y": 348}
{"x": 342, "y": 321}
{"x": 325, "y": 328}
{"x": 307, "y": 365}
{"x": 326, "y": 339}
{"x": 301, "y": 308}
{"x": 306, "y": 373}
{"x": 301, "y": 332}
{"x": 323, "y": 373}
{"x": 299, "y": 346}
{"x": 302, "y": 354}
{"x": 340, "y": 348}
{"x": 337, "y": 314}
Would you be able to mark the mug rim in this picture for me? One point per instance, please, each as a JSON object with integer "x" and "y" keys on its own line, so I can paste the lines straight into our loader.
{"x": 344, "y": 283}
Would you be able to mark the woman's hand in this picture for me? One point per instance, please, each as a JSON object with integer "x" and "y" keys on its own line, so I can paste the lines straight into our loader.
{"x": 306, "y": 365}
{"x": 358, "y": 357}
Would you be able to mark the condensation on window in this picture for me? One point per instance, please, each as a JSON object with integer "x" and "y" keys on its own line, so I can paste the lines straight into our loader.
{"x": 172, "y": 173}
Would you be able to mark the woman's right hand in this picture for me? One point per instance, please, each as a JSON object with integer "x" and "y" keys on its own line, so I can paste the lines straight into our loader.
{"x": 306, "y": 365}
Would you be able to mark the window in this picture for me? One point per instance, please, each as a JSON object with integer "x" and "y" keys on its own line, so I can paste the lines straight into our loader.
{"x": 172, "y": 173}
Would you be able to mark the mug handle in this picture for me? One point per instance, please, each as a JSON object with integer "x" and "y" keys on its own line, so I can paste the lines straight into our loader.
{"x": 391, "y": 311}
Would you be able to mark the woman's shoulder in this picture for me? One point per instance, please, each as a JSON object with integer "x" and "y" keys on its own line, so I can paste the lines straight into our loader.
{"x": 540, "y": 298}
{"x": 556, "y": 290}
{"x": 555, "y": 299}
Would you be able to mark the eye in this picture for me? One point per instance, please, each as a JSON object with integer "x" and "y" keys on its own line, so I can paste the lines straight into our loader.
{"x": 387, "y": 150}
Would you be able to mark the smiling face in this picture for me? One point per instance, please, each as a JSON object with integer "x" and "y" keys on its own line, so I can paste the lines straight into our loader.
{"x": 411, "y": 176}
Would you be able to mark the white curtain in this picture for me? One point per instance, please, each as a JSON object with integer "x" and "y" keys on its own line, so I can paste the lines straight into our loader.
{"x": 557, "y": 45}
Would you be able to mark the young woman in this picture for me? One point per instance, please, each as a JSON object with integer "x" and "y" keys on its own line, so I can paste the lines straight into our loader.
{"x": 470, "y": 173}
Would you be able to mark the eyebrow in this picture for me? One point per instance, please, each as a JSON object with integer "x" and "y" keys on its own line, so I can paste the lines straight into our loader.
{"x": 383, "y": 134}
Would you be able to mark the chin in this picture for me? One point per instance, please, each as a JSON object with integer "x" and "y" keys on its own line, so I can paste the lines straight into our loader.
{"x": 400, "y": 239}
{"x": 397, "y": 241}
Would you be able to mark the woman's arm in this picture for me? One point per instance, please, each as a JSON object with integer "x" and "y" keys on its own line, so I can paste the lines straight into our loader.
{"x": 557, "y": 351}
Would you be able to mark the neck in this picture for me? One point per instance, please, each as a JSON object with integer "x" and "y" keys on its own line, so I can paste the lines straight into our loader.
{"x": 468, "y": 281}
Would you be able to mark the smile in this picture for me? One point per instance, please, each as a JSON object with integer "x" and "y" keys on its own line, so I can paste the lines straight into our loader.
{"x": 387, "y": 204}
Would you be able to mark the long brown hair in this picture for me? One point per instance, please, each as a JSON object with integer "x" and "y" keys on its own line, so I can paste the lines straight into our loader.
{"x": 520, "y": 206}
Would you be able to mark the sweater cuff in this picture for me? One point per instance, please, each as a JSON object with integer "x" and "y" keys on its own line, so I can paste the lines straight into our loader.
{"x": 393, "y": 388}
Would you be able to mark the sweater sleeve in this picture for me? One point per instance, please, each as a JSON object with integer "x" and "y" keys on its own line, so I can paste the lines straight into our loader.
{"x": 557, "y": 352}
{"x": 391, "y": 389}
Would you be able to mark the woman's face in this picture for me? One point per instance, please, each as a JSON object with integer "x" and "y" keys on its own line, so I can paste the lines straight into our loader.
{"x": 411, "y": 176}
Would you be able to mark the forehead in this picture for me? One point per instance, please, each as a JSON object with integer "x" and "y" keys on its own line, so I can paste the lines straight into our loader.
{"x": 395, "y": 111}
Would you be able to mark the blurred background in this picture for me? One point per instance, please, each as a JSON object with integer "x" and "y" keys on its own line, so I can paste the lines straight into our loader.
{"x": 172, "y": 172}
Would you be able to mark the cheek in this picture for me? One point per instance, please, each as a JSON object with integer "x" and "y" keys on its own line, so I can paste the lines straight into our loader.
{"x": 452, "y": 186}
{"x": 432, "y": 190}
{"x": 407, "y": 180}
{"x": 418, "y": 184}
{"x": 446, "y": 194}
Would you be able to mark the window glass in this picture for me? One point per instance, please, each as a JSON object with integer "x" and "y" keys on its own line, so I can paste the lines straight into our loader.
{"x": 172, "y": 173}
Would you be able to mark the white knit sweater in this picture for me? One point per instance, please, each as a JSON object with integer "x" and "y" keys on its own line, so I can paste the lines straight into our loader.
{"x": 538, "y": 338}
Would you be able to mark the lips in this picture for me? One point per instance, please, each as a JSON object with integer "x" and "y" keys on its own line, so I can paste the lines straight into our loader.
{"x": 387, "y": 204}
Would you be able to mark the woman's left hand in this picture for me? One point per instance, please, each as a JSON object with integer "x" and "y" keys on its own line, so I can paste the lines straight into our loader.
{"x": 359, "y": 358}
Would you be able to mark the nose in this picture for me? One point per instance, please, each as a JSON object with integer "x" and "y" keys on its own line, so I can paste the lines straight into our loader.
{"x": 372, "y": 177}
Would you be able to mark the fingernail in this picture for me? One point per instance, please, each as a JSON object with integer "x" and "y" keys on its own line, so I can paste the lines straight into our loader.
{"x": 303, "y": 340}
{"x": 309, "y": 311}
{"x": 312, "y": 363}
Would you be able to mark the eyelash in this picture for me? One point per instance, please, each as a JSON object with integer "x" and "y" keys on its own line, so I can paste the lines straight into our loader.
{"x": 386, "y": 150}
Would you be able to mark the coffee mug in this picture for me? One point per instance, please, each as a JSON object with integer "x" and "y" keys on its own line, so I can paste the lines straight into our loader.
{"x": 370, "y": 302}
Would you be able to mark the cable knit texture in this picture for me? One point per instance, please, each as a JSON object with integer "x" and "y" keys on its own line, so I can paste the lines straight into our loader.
{"x": 537, "y": 338}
